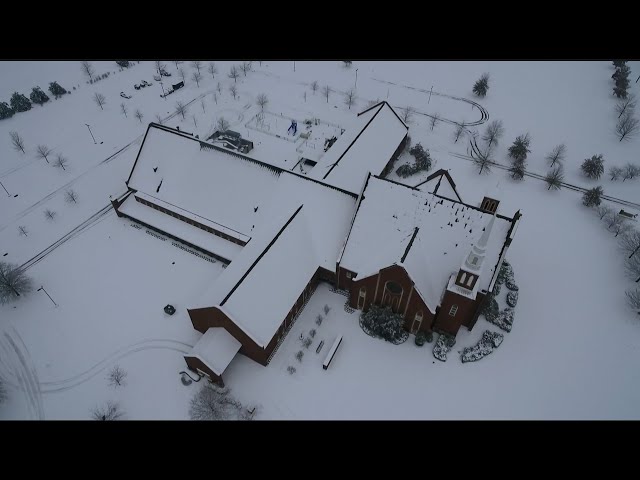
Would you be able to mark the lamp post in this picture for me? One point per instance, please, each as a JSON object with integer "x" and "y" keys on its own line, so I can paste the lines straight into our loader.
{"x": 430, "y": 91}
{"x": 94, "y": 140}
{"x": 42, "y": 288}
{"x": 163, "y": 94}
{"x": 8, "y": 194}
{"x": 356, "y": 84}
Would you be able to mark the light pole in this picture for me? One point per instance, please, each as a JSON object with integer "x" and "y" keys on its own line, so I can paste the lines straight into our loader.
{"x": 294, "y": 65}
{"x": 430, "y": 91}
{"x": 8, "y": 194}
{"x": 163, "y": 94}
{"x": 42, "y": 288}
{"x": 94, "y": 140}
{"x": 356, "y": 84}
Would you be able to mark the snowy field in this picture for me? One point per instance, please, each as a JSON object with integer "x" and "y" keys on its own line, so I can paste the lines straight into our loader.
{"x": 574, "y": 345}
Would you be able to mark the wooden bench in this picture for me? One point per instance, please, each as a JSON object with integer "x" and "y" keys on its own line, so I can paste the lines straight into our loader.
{"x": 332, "y": 352}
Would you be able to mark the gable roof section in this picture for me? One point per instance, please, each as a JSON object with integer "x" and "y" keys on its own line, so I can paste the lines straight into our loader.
{"x": 418, "y": 230}
{"x": 216, "y": 348}
{"x": 434, "y": 184}
{"x": 367, "y": 147}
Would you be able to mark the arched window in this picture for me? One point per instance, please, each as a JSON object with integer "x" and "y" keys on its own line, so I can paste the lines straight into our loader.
{"x": 417, "y": 321}
{"x": 474, "y": 260}
{"x": 462, "y": 277}
{"x": 470, "y": 281}
{"x": 362, "y": 296}
{"x": 453, "y": 310}
{"x": 392, "y": 294}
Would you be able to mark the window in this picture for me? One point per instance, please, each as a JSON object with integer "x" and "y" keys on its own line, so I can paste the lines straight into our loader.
{"x": 470, "y": 281}
{"x": 462, "y": 277}
{"x": 454, "y": 309}
{"x": 348, "y": 274}
{"x": 474, "y": 261}
{"x": 362, "y": 295}
{"x": 418, "y": 316}
{"x": 363, "y": 291}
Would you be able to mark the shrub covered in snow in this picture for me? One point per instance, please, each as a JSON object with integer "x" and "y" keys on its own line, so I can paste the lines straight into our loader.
{"x": 307, "y": 342}
{"x": 421, "y": 337}
{"x": 291, "y": 369}
{"x": 312, "y": 332}
{"x": 381, "y": 322}
{"x": 496, "y": 289}
{"x": 511, "y": 284}
{"x": 481, "y": 86}
{"x": 429, "y": 336}
{"x": 38, "y": 96}
{"x": 505, "y": 272}
{"x": 5, "y": 111}
{"x": 512, "y": 299}
{"x": 504, "y": 320}
{"x": 423, "y": 162}
{"x": 299, "y": 355}
{"x": 591, "y": 198}
{"x": 490, "y": 308}
{"x": 20, "y": 103}
{"x": 486, "y": 345}
{"x": 443, "y": 346}
{"x": 56, "y": 90}
{"x": 319, "y": 320}
{"x": 593, "y": 167}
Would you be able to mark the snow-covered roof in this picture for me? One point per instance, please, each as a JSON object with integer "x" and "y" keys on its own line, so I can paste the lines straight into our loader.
{"x": 262, "y": 284}
{"x": 385, "y": 225}
{"x": 440, "y": 182}
{"x": 221, "y": 187}
{"x": 216, "y": 348}
{"x": 366, "y": 147}
{"x": 179, "y": 229}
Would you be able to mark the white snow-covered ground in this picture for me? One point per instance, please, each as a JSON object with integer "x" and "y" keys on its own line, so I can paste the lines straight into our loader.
{"x": 574, "y": 344}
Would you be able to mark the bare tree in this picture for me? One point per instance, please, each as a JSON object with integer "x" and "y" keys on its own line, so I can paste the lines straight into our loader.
{"x": 627, "y": 126}
{"x": 350, "y": 98}
{"x": 234, "y": 91}
{"x": 158, "y": 118}
{"x": 202, "y": 105}
{"x": 110, "y": 411}
{"x": 459, "y": 131}
{"x": 326, "y": 91}
{"x": 616, "y": 173}
{"x": 196, "y": 77}
{"x": 557, "y": 154}
{"x": 614, "y": 223}
{"x": 630, "y": 171}
{"x": 494, "y": 132}
{"x": 60, "y": 161}
{"x": 262, "y": 101}
{"x": 123, "y": 109}
{"x": 197, "y": 64}
{"x": 194, "y": 121}
{"x": 626, "y": 104}
{"x": 87, "y": 69}
{"x": 630, "y": 242}
{"x": 50, "y": 215}
{"x": 117, "y": 376}
{"x": 314, "y": 86}
{"x": 434, "y": 120}
{"x": 23, "y": 230}
{"x": 182, "y": 74}
{"x": 139, "y": 115}
{"x": 212, "y": 69}
{"x": 483, "y": 162}
{"x": 219, "y": 87}
{"x": 181, "y": 109}
{"x": 17, "y": 141}
{"x": 632, "y": 267}
{"x": 407, "y": 113}
{"x": 71, "y": 196}
{"x": 13, "y": 282}
{"x": 554, "y": 178}
{"x": 603, "y": 211}
{"x": 43, "y": 152}
{"x": 177, "y": 62}
{"x": 222, "y": 125}
{"x": 214, "y": 403}
{"x": 159, "y": 66}
{"x": 215, "y": 97}
{"x": 633, "y": 298}
{"x": 234, "y": 73}
{"x": 99, "y": 99}
{"x": 246, "y": 67}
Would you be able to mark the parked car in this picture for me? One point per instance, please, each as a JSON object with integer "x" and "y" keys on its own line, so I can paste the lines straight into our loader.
{"x": 137, "y": 87}
{"x": 124, "y": 95}
{"x": 157, "y": 78}
{"x": 144, "y": 82}
{"x": 164, "y": 73}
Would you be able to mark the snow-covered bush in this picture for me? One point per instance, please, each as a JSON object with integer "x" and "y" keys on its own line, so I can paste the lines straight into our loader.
{"x": 291, "y": 369}
{"x": 423, "y": 162}
{"x": 381, "y": 322}
{"x": 421, "y": 337}
{"x": 505, "y": 272}
{"x": 299, "y": 355}
{"x": 56, "y": 90}
{"x": 307, "y": 342}
{"x": 520, "y": 148}
{"x": 592, "y": 197}
{"x": 593, "y": 167}
{"x": 13, "y": 282}
{"x": 496, "y": 289}
{"x": 326, "y": 309}
{"x": 443, "y": 346}
{"x": 429, "y": 336}
{"x": 6, "y": 111}
{"x": 486, "y": 345}
{"x": 510, "y": 283}
{"x": 319, "y": 320}
{"x": 512, "y": 299}
{"x": 38, "y": 96}
{"x": 504, "y": 320}
{"x": 20, "y": 103}
{"x": 481, "y": 86}
{"x": 312, "y": 332}
{"x": 490, "y": 308}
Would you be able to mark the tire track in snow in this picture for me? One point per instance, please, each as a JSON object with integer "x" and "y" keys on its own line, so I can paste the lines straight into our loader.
{"x": 80, "y": 378}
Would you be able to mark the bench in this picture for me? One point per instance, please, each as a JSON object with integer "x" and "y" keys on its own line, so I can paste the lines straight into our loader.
{"x": 628, "y": 215}
{"x": 320, "y": 346}
{"x": 332, "y": 352}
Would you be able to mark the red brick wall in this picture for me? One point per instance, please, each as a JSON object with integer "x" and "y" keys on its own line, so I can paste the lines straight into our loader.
{"x": 195, "y": 363}
{"x": 465, "y": 314}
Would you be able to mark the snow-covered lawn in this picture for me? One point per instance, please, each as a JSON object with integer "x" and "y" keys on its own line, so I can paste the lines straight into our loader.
{"x": 571, "y": 353}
